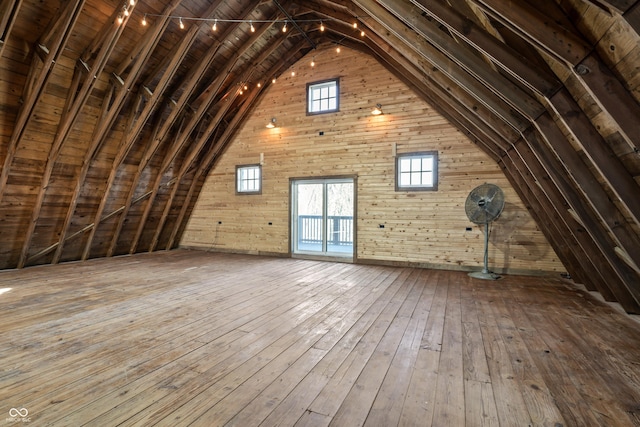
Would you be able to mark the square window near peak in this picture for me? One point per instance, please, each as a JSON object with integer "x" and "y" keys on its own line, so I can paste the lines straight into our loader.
{"x": 323, "y": 97}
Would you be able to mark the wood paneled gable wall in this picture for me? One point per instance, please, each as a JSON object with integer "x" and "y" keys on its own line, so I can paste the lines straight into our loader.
{"x": 108, "y": 130}
{"x": 426, "y": 228}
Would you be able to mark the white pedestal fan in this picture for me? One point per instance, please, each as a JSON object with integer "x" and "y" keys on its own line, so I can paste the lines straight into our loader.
{"x": 484, "y": 205}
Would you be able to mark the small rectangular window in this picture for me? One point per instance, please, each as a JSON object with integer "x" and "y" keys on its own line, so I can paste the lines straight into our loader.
{"x": 323, "y": 97}
{"x": 417, "y": 171}
{"x": 249, "y": 179}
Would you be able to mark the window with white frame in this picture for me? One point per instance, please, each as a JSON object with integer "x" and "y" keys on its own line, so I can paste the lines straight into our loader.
{"x": 417, "y": 171}
{"x": 323, "y": 97}
{"x": 249, "y": 179}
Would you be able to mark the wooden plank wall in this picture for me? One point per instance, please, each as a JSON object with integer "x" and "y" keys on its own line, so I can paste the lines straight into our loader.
{"x": 426, "y": 228}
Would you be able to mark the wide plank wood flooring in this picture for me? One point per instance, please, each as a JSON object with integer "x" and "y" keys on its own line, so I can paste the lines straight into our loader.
{"x": 185, "y": 338}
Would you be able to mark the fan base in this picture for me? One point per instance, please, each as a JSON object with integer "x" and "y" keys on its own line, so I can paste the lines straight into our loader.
{"x": 483, "y": 275}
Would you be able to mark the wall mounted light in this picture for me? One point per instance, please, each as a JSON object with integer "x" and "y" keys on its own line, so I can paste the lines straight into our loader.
{"x": 272, "y": 123}
{"x": 377, "y": 111}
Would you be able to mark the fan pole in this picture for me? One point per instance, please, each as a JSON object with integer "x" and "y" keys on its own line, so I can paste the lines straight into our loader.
{"x": 485, "y": 270}
{"x": 485, "y": 273}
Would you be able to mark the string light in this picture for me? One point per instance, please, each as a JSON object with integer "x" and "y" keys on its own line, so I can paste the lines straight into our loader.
{"x": 214, "y": 26}
{"x": 120, "y": 19}
{"x": 126, "y": 11}
{"x": 274, "y": 80}
{"x": 338, "y": 49}
{"x": 313, "y": 62}
{"x": 293, "y": 73}
{"x": 259, "y": 84}
{"x": 132, "y": 2}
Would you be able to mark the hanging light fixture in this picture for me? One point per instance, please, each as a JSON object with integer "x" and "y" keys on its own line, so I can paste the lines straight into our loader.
{"x": 272, "y": 123}
{"x": 215, "y": 25}
{"x": 377, "y": 110}
{"x": 253, "y": 29}
{"x": 284, "y": 27}
{"x": 144, "y": 20}
{"x": 181, "y": 24}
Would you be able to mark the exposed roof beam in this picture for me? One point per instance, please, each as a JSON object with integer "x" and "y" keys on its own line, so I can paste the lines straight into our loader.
{"x": 198, "y": 145}
{"x": 440, "y": 69}
{"x": 503, "y": 87}
{"x": 76, "y": 102}
{"x": 8, "y": 13}
{"x": 508, "y": 59}
{"x": 531, "y": 23}
{"x": 162, "y": 131}
{"x": 184, "y": 134}
{"x": 599, "y": 153}
{"x": 39, "y": 74}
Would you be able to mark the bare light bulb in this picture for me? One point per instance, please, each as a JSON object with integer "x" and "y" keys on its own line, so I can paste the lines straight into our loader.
{"x": 253, "y": 29}
{"x": 215, "y": 25}
{"x": 144, "y": 21}
{"x": 181, "y": 24}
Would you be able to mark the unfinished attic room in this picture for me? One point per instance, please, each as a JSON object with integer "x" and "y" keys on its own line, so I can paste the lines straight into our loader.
{"x": 320, "y": 213}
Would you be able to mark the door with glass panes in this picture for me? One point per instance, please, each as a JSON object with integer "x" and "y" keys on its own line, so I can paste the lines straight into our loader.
{"x": 323, "y": 216}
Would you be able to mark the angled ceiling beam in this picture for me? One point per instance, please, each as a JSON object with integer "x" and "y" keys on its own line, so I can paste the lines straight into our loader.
{"x": 593, "y": 269}
{"x": 401, "y": 37}
{"x": 535, "y": 25}
{"x": 587, "y": 199}
{"x": 8, "y": 13}
{"x": 217, "y": 147}
{"x": 38, "y": 77}
{"x": 76, "y": 101}
{"x": 295, "y": 24}
{"x": 111, "y": 109}
{"x": 511, "y": 93}
{"x": 612, "y": 96}
{"x": 159, "y": 92}
{"x": 452, "y": 96}
{"x": 183, "y": 136}
{"x": 610, "y": 167}
{"x": 199, "y": 143}
{"x": 506, "y": 58}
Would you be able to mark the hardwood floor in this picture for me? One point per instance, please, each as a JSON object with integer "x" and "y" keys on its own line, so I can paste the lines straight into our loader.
{"x": 193, "y": 338}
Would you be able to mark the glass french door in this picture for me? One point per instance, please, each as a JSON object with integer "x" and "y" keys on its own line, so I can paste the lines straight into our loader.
{"x": 322, "y": 216}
